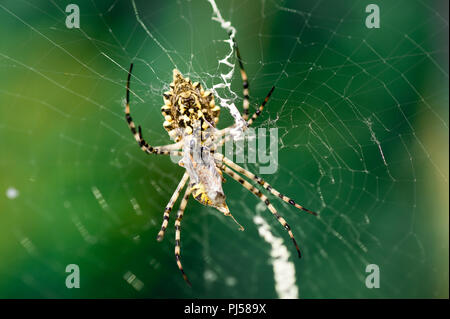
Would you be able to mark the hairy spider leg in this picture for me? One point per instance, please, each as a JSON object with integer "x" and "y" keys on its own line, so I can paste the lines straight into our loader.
{"x": 246, "y": 102}
{"x": 138, "y": 133}
{"x": 169, "y": 206}
{"x": 261, "y": 107}
{"x": 180, "y": 213}
{"x": 263, "y": 183}
{"x": 264, "y": 199}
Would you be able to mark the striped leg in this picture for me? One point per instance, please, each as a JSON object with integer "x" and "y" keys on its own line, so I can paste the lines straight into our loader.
{"x": 183, "y": 204}
{"x": 261, "y": 107}
{"x": 138, "y": 134}
{"x": 263, "y": 183}
{"x": 264, "y": 199}
{"x": 169, "y": 206}
{"x": 246, "y": 102}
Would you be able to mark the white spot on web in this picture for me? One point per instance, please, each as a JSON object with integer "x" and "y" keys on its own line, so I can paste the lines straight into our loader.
{"x": 83, "y": 230}
{"x": 99, "y": 197}
{"x": 230, "y": 281}
{"x": 209, "y": 275}
{"x": 136, "y": 206}
{"x": 28, "y": 245}
{"x": 134, "y": 281}
{"x": 12, "y": 193}
{"x": 137, "y": 239}
{"x": 283, "y": 269}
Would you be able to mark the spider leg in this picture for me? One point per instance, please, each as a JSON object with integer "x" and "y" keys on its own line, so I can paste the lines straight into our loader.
{"x": 264, "y": 199}
{"x": 246, "y": 102}
{"x": 138, "y": 134}
{"x": 264, "y": 184}
{"x": 183, "y": 204}
{"x": 261, "y": 107}
{"x": 169, "y": 206}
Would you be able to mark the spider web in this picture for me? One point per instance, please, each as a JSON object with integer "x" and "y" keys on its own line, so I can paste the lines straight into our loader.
{"x": 362, "y": 118}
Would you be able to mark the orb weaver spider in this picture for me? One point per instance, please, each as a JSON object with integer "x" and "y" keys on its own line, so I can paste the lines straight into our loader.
{"x": 190, "y": 117}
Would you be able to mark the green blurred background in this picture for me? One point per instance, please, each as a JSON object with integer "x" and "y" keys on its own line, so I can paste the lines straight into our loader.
{"x": 363, "y": 126}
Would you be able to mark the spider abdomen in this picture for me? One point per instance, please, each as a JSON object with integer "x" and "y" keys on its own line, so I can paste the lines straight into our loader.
{"x": 186, "y": 104}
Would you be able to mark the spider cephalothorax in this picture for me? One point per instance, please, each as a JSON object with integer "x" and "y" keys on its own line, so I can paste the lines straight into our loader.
{"x": 185, "y": 104}
{"x": 190, "y": 118}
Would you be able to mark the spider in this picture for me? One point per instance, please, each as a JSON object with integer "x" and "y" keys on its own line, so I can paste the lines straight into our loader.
{"x": 191, "y": 116}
